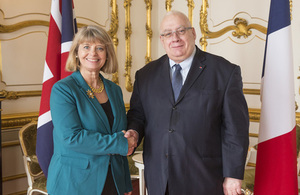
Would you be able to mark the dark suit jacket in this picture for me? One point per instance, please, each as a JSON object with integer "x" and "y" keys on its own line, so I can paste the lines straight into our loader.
{"x": 191, "y": 144}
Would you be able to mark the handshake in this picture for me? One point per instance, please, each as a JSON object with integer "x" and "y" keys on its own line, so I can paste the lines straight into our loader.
{"x": 132, "y": 138}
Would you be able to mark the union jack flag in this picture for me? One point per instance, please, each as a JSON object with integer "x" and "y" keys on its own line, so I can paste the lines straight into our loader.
{"x": 62, "y": 28}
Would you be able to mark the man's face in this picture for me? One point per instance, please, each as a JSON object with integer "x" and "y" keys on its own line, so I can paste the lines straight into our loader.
{"x": 178, "y": 40}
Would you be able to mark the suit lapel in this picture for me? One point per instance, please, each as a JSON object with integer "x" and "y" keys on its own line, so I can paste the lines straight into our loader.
{"x": 165, "y": 80}
{"x": 196, "y": 69}
{"x": 83, "y": 86}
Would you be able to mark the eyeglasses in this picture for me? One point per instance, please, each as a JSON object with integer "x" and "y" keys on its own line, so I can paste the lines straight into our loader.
{"x": 179, "y": 32}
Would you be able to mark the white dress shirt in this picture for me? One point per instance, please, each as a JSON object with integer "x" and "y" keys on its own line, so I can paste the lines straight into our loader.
{"x": 185, "y": 65}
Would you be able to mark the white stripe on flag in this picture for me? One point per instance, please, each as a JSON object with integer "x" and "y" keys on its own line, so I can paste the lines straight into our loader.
{"x": 56, "y": 15}
{"x": 47, "y": 73}
{"x": 65, "y": 47}
{"x": 278, "y": 119}
{"x": 44, "y": 118}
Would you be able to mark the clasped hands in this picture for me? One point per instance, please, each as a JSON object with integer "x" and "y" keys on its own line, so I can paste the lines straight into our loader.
{"x": 132, "y": 138}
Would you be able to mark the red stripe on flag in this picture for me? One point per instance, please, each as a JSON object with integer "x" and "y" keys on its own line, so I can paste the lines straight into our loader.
{"x": 277, "y": 165}
{"x": 53, "y": 49}
{"x": 45, "y": 99}
{"x": 64, "y": 57}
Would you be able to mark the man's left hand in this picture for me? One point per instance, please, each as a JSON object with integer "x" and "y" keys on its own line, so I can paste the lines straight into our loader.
{"x": 232, "y": 186}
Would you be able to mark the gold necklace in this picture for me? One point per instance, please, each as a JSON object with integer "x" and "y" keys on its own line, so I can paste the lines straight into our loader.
{"x": 97, "y": 90}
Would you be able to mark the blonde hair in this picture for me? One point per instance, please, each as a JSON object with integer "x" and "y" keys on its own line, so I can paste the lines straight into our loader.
{"x": 92, "y": 34}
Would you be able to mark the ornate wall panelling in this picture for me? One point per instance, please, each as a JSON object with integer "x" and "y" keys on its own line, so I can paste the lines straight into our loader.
{"x": 23, "y": 31}
{"x": 128, "y": 45}
{"x": 248, "y": 34}
{"x": 190, "y": 6}
{"x": 242, "y": 28}
{"x": 242, "y": 33}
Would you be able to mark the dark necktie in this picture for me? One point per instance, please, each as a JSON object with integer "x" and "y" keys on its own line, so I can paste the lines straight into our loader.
{"x": 177, "y": 81}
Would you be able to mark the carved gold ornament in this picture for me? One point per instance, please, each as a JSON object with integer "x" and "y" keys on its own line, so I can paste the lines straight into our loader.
{"x": 114, "y": 26}
{"x": 241, "y": 28}
{"x": 169, "y": 4}
{"x": 191, "y": 6}
{"x": 20, "y": 25}
{"x": 128, "y": 61}
{"x": 148, "y": 31}
{"x": 13, "y": 95}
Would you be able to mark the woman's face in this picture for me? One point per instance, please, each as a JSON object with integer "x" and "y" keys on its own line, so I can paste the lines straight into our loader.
{"x": 92, "y": 56}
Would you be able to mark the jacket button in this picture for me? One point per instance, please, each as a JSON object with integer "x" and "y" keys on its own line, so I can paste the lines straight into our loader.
{"x": 171, "y": 130}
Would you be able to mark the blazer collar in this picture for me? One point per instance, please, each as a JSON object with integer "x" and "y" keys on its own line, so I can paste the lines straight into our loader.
{"x": 84, "y": 87}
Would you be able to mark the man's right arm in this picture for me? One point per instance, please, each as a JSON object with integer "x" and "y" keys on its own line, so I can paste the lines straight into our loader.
{"x": 136, "y": 115}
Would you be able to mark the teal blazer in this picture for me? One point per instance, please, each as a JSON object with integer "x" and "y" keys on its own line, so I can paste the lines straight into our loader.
{"x": 84, "y": 143}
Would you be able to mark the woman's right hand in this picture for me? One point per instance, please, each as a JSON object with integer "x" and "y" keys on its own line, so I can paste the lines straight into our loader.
{"x": 132, "y": 140}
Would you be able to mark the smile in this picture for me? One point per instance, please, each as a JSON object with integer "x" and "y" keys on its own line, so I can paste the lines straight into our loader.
{"x": 177, "y": 46}
{"x": 92, "y": 60}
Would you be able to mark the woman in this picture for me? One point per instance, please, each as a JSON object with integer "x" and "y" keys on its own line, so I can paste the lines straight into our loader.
{"x": 88, "y": 115}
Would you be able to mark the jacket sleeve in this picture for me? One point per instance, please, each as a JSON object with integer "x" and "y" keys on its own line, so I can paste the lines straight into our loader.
{"x": 135, "y": 115}
{"x": 70, "y": 132}
{"x": 235, "y": 127}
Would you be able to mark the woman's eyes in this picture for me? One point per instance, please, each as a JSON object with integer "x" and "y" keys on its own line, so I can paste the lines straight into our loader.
{"x": 97, "y": 48}
{"x": 100, "y": 48}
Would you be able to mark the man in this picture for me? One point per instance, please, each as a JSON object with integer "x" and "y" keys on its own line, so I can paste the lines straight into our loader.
{"x": 195, "y": 140}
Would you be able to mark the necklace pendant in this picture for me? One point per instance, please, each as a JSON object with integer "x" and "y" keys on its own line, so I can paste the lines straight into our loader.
{"x": 90, "y": 94}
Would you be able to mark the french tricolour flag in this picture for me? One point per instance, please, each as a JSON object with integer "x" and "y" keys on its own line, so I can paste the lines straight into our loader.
{"x": 276, "y": 164}
{"x": 62, "y": 28}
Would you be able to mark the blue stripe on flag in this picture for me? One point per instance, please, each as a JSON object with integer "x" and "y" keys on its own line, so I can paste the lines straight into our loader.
{"x": 279, "y": 16}
{"x": 67, "y": 21}
{"x": 45, "y": 139}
